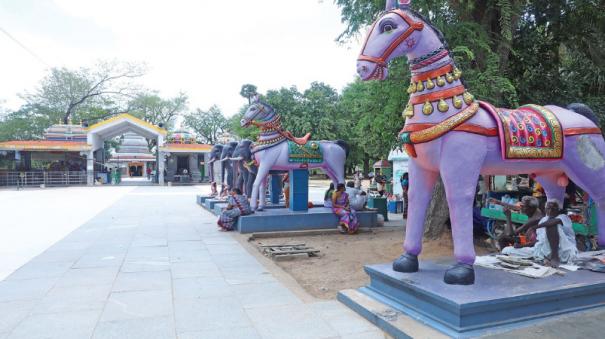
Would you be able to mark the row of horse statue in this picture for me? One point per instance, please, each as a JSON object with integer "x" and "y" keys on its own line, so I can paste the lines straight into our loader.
{"x": 447, "y": 133}
{"x": 246, "y": 164}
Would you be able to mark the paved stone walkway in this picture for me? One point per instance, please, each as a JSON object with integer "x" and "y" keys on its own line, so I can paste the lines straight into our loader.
{"x": 153, "y": 265}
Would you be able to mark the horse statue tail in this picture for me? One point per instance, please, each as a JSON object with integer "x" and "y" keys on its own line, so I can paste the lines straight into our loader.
{"x": 343, "y": 144}
{"x": 586, "y": 111}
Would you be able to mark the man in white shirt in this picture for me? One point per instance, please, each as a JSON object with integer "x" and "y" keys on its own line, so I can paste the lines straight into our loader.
{"x": 556, "y": 239}
{"x": 357, "y": 201}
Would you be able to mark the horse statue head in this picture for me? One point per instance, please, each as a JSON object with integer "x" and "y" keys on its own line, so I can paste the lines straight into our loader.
{"x": 398, "y": 31}
{"x": 258, "y": 113}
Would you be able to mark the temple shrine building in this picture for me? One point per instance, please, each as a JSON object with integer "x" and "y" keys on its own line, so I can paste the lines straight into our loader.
{"x": 71, "y": 154}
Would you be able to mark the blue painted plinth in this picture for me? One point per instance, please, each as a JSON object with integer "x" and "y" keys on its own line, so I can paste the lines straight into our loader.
{"x": 498, "y": 301}
{"x": 282, "y": 219}
{"x": 209, "y": 203}
{"x": 200, "y": 199}
{"x": 299, "y": 190}
{"x": 275, "y": 191}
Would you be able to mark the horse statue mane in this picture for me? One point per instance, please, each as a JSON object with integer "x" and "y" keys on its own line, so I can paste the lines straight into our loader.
{"x": 272, "y": 124}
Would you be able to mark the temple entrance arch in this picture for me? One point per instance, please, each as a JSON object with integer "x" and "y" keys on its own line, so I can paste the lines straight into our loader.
{"x": 119, "y": 125}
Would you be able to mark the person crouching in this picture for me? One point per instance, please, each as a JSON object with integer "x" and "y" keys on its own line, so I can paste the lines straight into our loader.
{"x": 237, "y": 205}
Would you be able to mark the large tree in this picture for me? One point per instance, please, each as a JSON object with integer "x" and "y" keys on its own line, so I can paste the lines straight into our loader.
{"x": 71, "y": 93}
{"x": 150, "y": 107}
{"x": 248, "y": 91}
{"x": 208, "y": 125}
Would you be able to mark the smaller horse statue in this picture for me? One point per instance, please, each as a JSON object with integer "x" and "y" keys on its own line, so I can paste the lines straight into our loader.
{"x": 277, "y": 149}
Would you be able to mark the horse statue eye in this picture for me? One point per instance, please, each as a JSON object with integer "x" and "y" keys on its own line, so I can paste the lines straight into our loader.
{"x": 388, "y": 28}
{"x": 253, "y": 109}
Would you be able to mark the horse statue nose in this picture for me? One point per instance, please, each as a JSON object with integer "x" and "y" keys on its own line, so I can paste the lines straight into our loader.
{"x": 242, "y": 122}
{"x": 362, "y": 69}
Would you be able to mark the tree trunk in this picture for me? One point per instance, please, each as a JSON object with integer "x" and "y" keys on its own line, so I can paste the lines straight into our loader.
{"x": 366, "y": 165}
{"x": 437, "y": 214}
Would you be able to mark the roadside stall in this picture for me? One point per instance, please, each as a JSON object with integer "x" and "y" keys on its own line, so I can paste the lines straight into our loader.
{"x": 383, "y": 172}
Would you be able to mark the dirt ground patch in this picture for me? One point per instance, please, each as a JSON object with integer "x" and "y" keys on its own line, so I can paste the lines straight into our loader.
{"x": 342, "y": 257}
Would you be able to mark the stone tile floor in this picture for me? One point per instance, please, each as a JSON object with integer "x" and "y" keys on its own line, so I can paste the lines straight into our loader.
{"x": 153, "y": 265}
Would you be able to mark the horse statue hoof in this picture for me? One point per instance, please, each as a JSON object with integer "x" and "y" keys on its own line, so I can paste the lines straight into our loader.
{"x": 406, "y": 263}
{"x": 460, "y": 274}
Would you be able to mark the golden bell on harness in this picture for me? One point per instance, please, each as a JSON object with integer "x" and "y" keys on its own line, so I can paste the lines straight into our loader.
{"x": 457, "y": 73}
{"x": 457, "y": 102}
{"x": 442, "y": 106}
{"x": 440, "y": 81}
{"x": 427, "y": 108}
{"x": 468, "y": 98}
{"x": 408, "y": 112}
{"x": 430, "y": 84}
{"x": 412, "y": 88}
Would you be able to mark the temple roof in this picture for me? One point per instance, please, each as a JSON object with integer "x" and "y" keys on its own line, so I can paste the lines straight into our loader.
{"x": 186, "y": 148}
{"x": 382, "y": 164}
{"x": 65, "y": 132}
{"x": 133, "y": 146}
{"x": 44, "y": 145}
{"x": 111, "y": 127}
{"x": 181, "y": 137}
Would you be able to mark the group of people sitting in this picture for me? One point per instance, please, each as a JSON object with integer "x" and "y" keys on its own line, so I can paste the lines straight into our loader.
{"x": 548, "y": 238}
{"x": 343, "y": 201}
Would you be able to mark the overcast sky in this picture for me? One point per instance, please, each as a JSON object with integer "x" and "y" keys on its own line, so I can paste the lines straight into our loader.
{"x": 207, "y": 49}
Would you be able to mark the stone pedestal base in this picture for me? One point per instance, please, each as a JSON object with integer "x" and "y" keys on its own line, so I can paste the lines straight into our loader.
{"x": 498, "y": 301}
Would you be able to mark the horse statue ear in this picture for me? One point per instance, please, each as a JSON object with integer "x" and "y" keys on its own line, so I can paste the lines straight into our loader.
{"x": 255, "y": 99}
{"x": 393, "y": 4}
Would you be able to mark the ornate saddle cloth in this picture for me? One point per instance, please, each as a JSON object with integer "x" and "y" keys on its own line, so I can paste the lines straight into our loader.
{"x": 310, "y": 152}
{"x": 528, "y": 132}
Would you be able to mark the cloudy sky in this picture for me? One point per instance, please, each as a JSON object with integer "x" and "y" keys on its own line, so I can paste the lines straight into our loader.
{"x": 206, "y": 48}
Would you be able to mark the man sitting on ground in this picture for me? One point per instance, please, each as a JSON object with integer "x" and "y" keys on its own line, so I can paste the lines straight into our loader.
{"x": 555, "y": 238}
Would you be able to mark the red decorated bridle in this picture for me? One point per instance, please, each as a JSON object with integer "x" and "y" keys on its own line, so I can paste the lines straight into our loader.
{"x": 381, "y": 61}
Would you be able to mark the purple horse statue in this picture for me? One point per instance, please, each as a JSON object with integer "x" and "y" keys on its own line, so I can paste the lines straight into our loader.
{"x": 275, "y": 149}
{"x": 448, "y": 133}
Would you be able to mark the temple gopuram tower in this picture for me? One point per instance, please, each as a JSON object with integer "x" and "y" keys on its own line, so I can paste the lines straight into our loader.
{"x": 133, "y": 156}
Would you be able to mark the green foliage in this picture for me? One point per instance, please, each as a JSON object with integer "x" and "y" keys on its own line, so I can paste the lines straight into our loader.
{"x": 73, "y": 93}
{"x": 156, "y": 110}
{"x": 511, "y": 51}
{"x": 28, "y": 123}
{"x": 236, "y": 128}
{"x": 208, "y": 125}
{"x": 248, "y": 91}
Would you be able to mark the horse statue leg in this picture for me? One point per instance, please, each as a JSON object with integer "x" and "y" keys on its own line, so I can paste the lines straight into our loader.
{"x": 460, "y": 173}
{"x": 420, "y": 193}
{"x": 551, "y": 187}
{"x": 258, "y": 193}
{"x": 584, "y": 162}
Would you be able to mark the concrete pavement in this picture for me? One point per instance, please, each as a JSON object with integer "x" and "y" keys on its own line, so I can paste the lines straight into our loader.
{"x": 153, "y": 265}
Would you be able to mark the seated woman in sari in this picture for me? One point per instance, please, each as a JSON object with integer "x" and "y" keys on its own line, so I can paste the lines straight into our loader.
{"x": 328, "y": 196}
{"x": 237, "y": 205}
{"x": 347, "y": 222}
